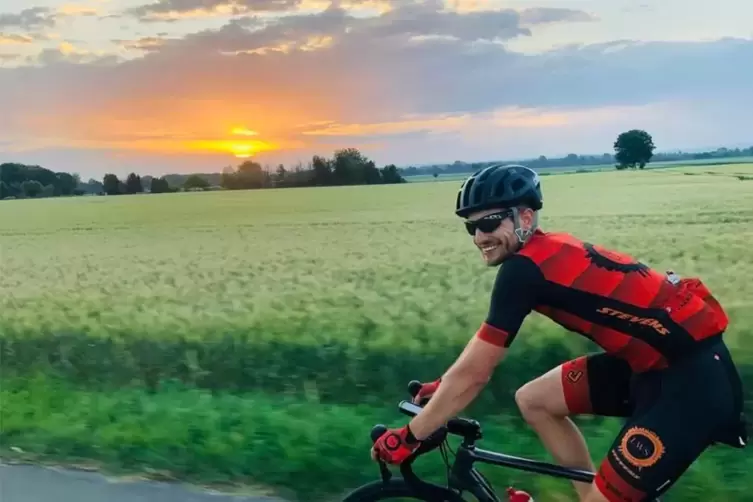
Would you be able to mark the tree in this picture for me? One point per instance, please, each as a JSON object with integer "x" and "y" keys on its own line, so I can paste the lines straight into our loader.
{"x": 5, "y": 190}
{"x": 390, "y": 174}
{"x": 195, "y": 181}
{"x": 349, "y": 167}
{"x": 322, "y": 171}
{"x": 31, "y": 188}
{"x": 111, "y": 184}
{"x": 66, "y": 184}
{"x": 159, "y": 185}
{"x": 281, "y": 172}
{"x": 133, "y": 184}
{"x": 633, "y": 147}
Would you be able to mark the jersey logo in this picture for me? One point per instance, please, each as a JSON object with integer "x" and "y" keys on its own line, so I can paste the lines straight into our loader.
{"x": 613, "y": 261}
{"x": 643, "y": 321}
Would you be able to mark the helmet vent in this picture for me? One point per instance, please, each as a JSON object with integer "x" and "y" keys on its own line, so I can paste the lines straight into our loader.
{"x": 518, "y": 184}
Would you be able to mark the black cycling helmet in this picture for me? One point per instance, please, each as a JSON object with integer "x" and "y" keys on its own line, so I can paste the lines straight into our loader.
{"x": 499, "y": 186}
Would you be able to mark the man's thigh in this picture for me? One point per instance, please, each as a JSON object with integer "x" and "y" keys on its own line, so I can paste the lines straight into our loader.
{"x": 597, "y": 384}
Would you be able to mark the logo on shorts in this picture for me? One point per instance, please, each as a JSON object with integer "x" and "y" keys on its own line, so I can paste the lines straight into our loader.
{"x": 574, "y": 375}
{"x": 641, "y": 447}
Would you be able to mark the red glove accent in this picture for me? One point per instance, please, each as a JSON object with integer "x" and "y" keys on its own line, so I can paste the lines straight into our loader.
{"x": 395, "y": 445}
{"x": 427, "y": 390}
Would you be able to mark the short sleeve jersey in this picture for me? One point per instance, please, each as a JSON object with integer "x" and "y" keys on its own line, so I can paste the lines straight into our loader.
{"x": 625, "y": 307}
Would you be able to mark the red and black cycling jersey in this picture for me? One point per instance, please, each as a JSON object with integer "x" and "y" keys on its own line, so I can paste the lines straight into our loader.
{"x": 624, "y": 306}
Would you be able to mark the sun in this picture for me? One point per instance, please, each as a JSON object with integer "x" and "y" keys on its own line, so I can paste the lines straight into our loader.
{"x": 242, "y": 150}
{"x": 242, "y": 146}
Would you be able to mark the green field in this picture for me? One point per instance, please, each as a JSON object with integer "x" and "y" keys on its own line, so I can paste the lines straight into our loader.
{"x": 230, "y": 313}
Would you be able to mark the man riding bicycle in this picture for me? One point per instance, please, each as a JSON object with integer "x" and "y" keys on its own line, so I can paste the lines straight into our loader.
{"x": 665, "y": 366}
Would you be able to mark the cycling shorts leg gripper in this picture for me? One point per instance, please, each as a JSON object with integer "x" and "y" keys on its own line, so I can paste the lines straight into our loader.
{"x": 575, "y": 386}
{"x": 597, "y": 384}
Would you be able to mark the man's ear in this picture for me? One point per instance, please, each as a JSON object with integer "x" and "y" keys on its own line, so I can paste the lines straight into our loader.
{"x": 526, "y": 217}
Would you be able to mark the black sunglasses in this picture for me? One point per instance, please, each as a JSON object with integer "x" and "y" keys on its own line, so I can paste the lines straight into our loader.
{"x": 488, "y": 223}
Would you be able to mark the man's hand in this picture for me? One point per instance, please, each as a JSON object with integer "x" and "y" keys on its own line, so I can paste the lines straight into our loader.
{"x": 394, "y": 446}
{"x": 427, "y": 390}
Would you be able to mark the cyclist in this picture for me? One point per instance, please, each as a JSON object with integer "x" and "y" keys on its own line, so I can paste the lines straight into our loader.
{"x": 665, "y": 366}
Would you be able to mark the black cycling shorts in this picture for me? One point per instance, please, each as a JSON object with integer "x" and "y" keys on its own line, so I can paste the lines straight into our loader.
{"x": 673, "y": 415}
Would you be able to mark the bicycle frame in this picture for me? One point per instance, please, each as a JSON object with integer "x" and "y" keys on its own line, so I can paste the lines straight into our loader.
{"x": 463, "y": 475}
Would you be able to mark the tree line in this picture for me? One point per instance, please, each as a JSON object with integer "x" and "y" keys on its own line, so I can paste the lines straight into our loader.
{"x": 574, "y": 160}
{"x": 347, "y": 167}
{"x": 633, "y": 149}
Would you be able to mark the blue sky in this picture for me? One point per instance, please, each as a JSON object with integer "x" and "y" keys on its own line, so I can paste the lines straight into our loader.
{"x": 98, "y": 86}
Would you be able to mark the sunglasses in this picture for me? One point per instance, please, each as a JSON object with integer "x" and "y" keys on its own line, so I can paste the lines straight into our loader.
{"x": 488, "y": 223}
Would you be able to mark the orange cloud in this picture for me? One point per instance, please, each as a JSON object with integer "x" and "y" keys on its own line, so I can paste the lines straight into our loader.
{"x": 14, "y": 39}
{"x": 77, "y": 10}
{"x": 464, "y": 6}
{"x": 441, "y": 123}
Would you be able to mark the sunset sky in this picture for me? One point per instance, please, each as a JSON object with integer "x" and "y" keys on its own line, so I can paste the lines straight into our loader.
{"x": 167, "y": 86}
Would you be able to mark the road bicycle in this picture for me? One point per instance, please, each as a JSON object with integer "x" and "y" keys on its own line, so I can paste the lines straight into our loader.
{"x": 462, "y": 475}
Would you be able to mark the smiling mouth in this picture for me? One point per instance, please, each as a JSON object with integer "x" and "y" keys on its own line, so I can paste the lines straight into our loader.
{"x": 488, "y": 249}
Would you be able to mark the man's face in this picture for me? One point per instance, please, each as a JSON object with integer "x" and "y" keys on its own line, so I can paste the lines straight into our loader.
{"x": 498, "y": 243}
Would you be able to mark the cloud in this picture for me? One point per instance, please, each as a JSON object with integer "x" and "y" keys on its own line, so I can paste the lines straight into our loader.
{"x": 162, "y": 10}
{"x": 14, "y": 39}
{"x": 73, "y": 10}
{"x": 418, "y": 81}
{"x": 28, "y": 19}
{"x": 145, "y": 44}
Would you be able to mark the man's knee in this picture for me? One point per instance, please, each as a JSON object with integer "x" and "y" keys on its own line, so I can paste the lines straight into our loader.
{"x": 542, "y": 397}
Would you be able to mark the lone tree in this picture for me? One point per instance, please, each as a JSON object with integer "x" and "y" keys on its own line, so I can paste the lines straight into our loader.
{"x": 633, "y": 147}
{"x": 195, "y": 182}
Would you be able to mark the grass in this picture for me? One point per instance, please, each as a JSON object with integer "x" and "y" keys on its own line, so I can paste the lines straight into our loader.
{"x": 253, "y": 442}
{"x": 324, "y": 300}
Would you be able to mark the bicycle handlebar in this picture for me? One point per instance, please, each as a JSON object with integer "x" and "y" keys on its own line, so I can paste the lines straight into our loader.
{"x": 469, "y": 429}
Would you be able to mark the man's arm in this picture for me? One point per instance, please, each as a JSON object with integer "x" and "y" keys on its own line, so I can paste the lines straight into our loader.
{"x": 460, "y": 386}
{"x": 513, "y": 297}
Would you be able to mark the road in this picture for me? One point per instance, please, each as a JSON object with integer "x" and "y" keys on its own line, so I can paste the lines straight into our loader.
{"x": 30, "y": 483}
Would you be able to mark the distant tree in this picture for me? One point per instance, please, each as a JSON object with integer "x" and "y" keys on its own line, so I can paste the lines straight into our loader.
{"x": 5, "y": 190}
{"x": 48, "y": 191}
{"x": 322, "y": 171}
{"x": 159, "y": 185}
{"x": 195, "y": 181}
{"x": 133, "y": 184}
{"x": 349, "y": 167}
{"x": 249, "y": 175}
{"x": 281, "y": 172}
{"x": 31, "y": 188}
{"x": 92, "y": 186}
{"x": 390, "y": 174}
{"x": 633, "y": 147}
{"x": 66, "y": 184}
{"x": 111, "y": 184}
{"x": 371, "y": 174}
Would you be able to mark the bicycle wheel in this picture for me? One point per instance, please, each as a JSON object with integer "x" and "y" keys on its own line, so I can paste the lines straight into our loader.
{"x": 398, "y": 489}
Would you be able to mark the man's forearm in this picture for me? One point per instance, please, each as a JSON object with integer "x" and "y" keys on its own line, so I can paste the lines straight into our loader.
{"x": 456, "y": 391}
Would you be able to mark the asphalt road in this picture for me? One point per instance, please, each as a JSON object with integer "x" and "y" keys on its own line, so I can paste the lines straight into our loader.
{"x": 30, "y": 483}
